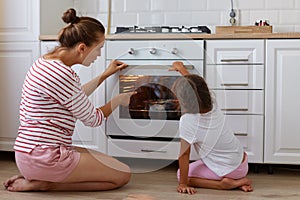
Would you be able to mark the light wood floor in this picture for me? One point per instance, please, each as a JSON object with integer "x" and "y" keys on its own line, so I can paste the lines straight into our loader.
{"x": 161, "y": 185}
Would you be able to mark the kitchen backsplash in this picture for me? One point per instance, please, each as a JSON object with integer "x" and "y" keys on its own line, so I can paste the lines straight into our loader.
{"x": 283, "y": 15}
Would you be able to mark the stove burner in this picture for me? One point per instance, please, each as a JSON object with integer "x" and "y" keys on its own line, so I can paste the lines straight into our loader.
{"x": 163, "y": 29}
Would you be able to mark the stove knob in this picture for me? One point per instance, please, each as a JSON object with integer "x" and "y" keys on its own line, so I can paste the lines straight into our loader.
{"x": 131, "y": 51}
{"x": 152, "y": 51}
{"x": 174, "y": 51}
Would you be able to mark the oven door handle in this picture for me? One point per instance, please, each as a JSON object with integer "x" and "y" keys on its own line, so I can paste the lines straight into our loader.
{"x": 189, "y": 67}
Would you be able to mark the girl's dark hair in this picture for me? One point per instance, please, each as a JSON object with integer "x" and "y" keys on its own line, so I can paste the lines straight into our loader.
{"x": 79, "y": 29}
{"x": 193, "y": 94}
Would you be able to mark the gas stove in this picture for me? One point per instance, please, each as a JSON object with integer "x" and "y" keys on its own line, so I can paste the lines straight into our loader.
{"x": 163, "y": 29}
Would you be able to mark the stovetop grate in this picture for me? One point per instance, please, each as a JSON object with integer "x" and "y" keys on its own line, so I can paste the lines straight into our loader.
{"x": 163, "y": 29}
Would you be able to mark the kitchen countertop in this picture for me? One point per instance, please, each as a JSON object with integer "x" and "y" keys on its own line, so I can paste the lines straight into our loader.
{"x": 290, "y": 35}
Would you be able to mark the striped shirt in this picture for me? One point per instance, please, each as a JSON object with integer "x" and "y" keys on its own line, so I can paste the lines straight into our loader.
{"x": 52, "y": 100}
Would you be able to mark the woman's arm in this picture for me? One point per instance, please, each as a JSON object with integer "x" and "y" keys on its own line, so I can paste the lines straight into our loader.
{"x": 113, "y": 67}
{"x": 121, "y": 99}
{"x": 183, "y": 160}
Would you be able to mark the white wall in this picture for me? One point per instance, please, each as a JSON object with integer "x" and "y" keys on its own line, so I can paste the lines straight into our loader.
{"x": 284, "y": 15}
{"x": 51, "y": 13}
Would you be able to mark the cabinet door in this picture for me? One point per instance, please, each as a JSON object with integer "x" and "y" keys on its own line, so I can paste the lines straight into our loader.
{"x": 249, "y": 130}
{"x": 234, "y": 52}
{"x": 282, "y": 127}
{"x": 15, "y": 60}
{"x": 19, "y": 20}
{"x": 235, "y": 76}
{"x": 240, "y": 101}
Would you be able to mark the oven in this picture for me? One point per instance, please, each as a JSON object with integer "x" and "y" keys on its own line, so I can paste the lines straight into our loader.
{"x": 148, "y": 126}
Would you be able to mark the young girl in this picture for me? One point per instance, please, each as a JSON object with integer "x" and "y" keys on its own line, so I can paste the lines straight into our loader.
{"x": 52, "y": 100}
{"x": 222, "y": 163}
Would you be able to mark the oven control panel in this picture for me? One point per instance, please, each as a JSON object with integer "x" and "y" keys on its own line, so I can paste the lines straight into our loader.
{"x": 155, "y": 49}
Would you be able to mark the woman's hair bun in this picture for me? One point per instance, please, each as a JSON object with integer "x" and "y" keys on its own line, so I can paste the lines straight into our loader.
{"x": 70, "y": 16}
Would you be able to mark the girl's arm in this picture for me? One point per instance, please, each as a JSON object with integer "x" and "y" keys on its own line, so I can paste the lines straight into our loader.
{"x": 113, "y": 67}
{"x": 179, "y": 67}
{"x": 183, "y": 160}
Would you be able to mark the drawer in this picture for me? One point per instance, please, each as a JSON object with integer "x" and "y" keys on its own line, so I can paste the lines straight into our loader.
{"x": 249, "y": 130}
{"x": 240, "y": 101}
{"x": 235, "y": 52}
{"x": 143, "y": 149}
{"x": 155, "y": 49}
{"x": 235, "y": 76}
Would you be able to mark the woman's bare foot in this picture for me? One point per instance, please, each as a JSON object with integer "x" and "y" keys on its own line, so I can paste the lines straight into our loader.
{"x": 12, "y": 179}
{"x": 228, "y": 184}
{"x": 20, "y": 184}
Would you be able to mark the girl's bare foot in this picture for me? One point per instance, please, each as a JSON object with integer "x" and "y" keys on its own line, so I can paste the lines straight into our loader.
{"x": 228, "y": 183}
{"x": 21, "y": 185}
{"x": 9, "y": 181}
{"x": 246, "y": 188}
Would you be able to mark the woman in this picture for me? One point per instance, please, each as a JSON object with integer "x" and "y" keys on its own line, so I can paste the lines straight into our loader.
{"x": 223, "y": 164}
{"x": 52, "y": 100}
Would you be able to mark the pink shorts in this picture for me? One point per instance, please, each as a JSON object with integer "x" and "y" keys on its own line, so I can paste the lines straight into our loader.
{"x": 199, "y": 170}
{"x": 47, "y": 163}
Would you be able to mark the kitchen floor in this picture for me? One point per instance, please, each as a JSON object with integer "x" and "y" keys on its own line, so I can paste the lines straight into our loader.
{"x": 161, "y": 185}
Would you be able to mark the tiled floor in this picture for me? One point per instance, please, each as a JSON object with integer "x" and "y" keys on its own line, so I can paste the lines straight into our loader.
{"x": 161, "y": 185}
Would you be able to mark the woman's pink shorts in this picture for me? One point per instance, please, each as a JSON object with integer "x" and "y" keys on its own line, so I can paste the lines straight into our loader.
{"x": 47, "y": 163}
{"x": 199, "y": 170}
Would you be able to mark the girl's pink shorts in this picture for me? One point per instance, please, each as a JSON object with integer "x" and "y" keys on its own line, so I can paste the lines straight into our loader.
{"x": 199, "y": 170}
{"x": 47, "y": 163}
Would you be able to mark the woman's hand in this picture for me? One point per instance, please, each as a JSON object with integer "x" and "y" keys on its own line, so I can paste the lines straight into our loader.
{"x": 184, "y": 188}
{"x": 179, "y": 67}
{"x": 124, "y": 98}
{"x": 113, "y": 67}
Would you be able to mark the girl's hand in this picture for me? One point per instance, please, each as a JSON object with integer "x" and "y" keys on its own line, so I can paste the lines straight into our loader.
{"x": 113, "y": 67}
{"x": 183, "y": 188}
{"x": 179, "y": 67}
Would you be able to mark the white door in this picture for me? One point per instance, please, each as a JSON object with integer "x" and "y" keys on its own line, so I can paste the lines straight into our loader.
{"x": 15, "y": 60}
{"x": 282, "y": 127}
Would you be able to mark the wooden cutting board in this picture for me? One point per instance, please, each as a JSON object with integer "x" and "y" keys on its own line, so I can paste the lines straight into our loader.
{"x": 243, "y": 29}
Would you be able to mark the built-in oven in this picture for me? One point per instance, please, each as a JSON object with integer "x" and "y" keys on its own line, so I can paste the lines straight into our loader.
{"x": 149, "y": 124}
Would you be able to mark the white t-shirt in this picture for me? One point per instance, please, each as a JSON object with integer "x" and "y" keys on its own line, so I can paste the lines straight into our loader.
{"x": 215, "y": 142}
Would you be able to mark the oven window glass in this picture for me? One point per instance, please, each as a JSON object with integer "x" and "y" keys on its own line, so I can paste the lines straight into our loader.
{"x": 153, "y": 100}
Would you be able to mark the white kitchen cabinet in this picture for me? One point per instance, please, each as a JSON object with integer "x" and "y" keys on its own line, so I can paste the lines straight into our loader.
{"x": 84, "y": 136}
{"x": 19, "y": 47}
{"x": 15, "y": 60}
{"x": 234, "y": 72}
{"x": 282, "y": 128}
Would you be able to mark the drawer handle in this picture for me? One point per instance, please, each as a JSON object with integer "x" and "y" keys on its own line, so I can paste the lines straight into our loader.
{"x": 234, "y": 109}
{"x": 153, "y": 151}
{"x": 235, "y": 60}
{"x": 241, "y": 134}
{"x": 234, "y": 84}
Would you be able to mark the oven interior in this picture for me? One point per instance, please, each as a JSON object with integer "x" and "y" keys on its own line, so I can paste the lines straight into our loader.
{"x": 154, "y": 98}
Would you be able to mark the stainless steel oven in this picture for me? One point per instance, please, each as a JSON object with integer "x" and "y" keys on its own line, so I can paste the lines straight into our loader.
{"x": 153, "y": 113}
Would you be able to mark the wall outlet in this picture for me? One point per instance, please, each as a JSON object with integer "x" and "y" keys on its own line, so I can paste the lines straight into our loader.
{"x": 234, "y": 17}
